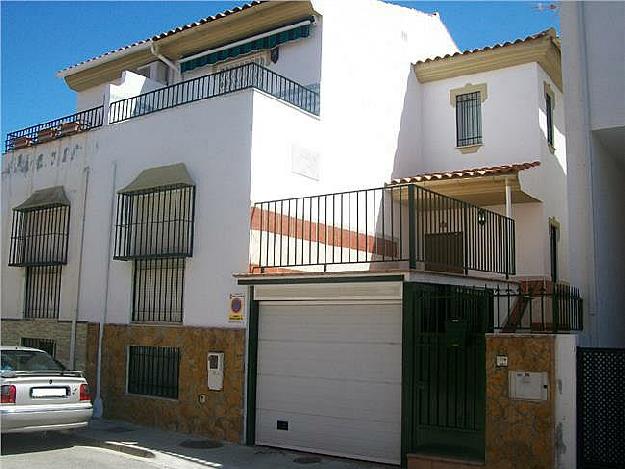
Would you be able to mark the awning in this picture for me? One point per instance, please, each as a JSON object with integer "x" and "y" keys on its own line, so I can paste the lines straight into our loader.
{"x": 44, "y": 198}
{"x": 173, "y": 176}
{"x": 265, "y": 43}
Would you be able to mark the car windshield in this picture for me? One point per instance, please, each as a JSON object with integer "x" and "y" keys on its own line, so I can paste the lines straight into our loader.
{"x": 28, "y": 360}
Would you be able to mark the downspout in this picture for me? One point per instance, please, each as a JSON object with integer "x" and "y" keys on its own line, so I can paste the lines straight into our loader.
{"x": 166, "y": 61}
{"x": 508, "y": 198}
{"x": 98, "y": 405}
{"x": 72, "y": 345}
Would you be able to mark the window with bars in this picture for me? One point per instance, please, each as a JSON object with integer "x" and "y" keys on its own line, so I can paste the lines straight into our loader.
{"x": 469, "y": 119}
{"x": 158, "y": 290}
{"x": 549, "y": 108}
{"x": 47, "y": 345}
{"x": 153, "y": 371}
{"x": 155, "y": 223}
{"x": 39, "y": 236}
{"x": 43, "y": 292}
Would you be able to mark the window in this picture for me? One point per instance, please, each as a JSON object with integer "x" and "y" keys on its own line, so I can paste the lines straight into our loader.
{"x": 549, "y": 109}
{"x": 43, "y": 292}
{"x": 28, "y": 360}
{"x": 469, "y": 119}
{"x": 47, "y": 345}
{"x": 157, "y": 290}
{"x": 153, "y": 371}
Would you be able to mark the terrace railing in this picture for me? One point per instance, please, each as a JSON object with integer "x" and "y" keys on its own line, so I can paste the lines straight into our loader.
{"x": 246, "y": 76}
{"x": 250, "y": 75}
{"x": 538, "y": 306}
{"x": 64, "y": 126}
{"x": 398, "y": 223}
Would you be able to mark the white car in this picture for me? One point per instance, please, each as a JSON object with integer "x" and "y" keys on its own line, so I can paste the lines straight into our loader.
{"x": 39, "y": 394}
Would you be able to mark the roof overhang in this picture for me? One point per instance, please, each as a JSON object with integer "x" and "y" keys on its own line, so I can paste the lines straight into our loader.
{"x": 543, "y": 49}
{"x": 186, "y": 41}
{"x": 482, "y": 186}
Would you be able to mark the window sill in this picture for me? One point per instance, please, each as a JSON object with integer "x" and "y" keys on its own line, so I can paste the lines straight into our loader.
{"x": 469, "y": 148}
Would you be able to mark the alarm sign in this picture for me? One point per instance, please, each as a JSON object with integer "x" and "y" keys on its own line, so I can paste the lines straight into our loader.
{"x": 236, "y": 307}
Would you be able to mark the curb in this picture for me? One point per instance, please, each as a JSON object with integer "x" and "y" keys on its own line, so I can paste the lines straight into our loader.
{"x": 119, "y": 447}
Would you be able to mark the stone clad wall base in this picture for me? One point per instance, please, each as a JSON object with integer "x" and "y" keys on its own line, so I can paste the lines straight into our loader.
{"x": 519, "y": 433}
{"x": 220, "y": 416}
{"x": 13, "y": 330}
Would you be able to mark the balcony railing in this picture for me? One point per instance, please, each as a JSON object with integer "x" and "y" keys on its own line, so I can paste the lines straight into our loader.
{"x": 538, "y": 306}
{"x": 62, "y": 127}
{"x": 250, "y": 75}
{"x": 228, "y": 81}
{"x": 393, "y": 224}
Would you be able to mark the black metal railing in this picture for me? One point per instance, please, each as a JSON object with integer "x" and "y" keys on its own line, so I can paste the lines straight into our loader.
{"x": 42, "y": 292}
{"x": 154, "y": 224}
{"x": 153, "y": 371}
{"x": 158, "y": 286}
{"x": 250, "y": 75}
{"x": 61, "y": 127}
{"x": 538, "y": 306}
{"x": 40, "y": 236}
{"x": 398, "y": 223}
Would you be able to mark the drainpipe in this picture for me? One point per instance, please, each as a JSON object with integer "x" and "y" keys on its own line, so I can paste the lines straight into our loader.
{"x": 98, "y": 405}
{"x": 166, "y": 61}
{"x": 508, "y": 198}
{"x": 72, "y": 344}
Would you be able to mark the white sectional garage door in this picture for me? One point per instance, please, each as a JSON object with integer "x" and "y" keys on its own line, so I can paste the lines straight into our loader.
{"x": 329, "y": 377}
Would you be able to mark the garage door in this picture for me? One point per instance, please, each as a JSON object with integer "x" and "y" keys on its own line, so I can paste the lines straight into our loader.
{"x": 329, "y": 377}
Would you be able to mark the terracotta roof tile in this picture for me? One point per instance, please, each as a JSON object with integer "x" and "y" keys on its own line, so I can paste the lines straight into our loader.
{"x": 546, "y": 33}
{"x": 468, "y": 173}
{"x": 171, "y": 32}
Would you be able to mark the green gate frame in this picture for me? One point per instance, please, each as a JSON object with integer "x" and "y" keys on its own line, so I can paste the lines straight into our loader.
{"x": 454, "y": 442}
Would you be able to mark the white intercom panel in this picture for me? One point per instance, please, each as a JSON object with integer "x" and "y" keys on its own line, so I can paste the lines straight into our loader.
{"x": 532, "y": 386}
{"x": 215, "y": 364}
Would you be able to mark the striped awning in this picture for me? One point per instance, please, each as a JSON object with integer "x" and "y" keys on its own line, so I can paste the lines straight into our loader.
{"x": 265, "y": 43}
{"x": 44, "y": 198}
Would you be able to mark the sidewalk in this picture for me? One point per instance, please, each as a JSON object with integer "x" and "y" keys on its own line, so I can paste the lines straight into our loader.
{"x": 182, "y": 451}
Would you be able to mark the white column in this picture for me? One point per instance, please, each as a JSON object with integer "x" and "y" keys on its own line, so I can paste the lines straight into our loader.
{"x": 508, "y": 198}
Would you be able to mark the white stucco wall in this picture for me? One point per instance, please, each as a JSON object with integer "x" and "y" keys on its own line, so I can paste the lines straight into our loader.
{"x": 593, "y": 70}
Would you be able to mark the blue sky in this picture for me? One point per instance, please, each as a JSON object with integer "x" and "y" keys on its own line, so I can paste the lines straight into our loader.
{"x": 40, "y": 38}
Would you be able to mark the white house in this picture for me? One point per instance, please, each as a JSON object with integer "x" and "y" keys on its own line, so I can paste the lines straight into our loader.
{"x": 297, "y": 205}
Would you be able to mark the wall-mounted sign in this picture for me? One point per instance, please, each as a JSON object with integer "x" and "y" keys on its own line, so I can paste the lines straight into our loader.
{"x": 236, "y": 307}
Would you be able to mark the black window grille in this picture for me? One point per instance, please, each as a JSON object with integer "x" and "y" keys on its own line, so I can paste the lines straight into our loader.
{"x": 47, "y": 345}
{"x": 43, "y": 292}
{"x": 153, "y": 371}
{"x": 158, "y": 290}
{"x": 155, "y": 223}
{"x": 40, "y": 236}
{"x": 469, "y": 119}
{"x": 549, "y": 106}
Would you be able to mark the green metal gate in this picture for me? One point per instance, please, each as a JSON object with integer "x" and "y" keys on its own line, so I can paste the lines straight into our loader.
{"x": 444, "y": 377}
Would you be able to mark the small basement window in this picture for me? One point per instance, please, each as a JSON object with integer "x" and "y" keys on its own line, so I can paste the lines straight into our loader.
{"x": 158, "y": 290}
{"x": 43, "y": 292}
{"x": 47, "y": 345}
{"x": 153, "y": 371}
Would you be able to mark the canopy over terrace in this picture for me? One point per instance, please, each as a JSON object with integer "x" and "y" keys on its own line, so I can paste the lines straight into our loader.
{"x": 487, "y": 186}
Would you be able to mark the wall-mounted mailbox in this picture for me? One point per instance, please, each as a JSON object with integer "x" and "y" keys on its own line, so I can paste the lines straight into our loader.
{"x": 215, "y": 371}
{"x": 528, "y": 385}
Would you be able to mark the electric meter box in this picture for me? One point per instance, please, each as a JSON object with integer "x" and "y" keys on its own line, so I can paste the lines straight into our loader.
{"x": 215, "y": 365}
{"x": 528, "y": 385}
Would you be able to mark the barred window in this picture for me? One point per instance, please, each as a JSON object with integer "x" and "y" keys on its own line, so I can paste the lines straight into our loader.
{"x": 43, "y": 292}
{"x": 153, "y": 371}
{"x": 469, "y": 119}
{"x": 47, "y": 345}
{"x": 158, "y": 290}
{"x": 39, "y": 236}
{"x": 549, "y": 106}
{"x": 155, "y": 223}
